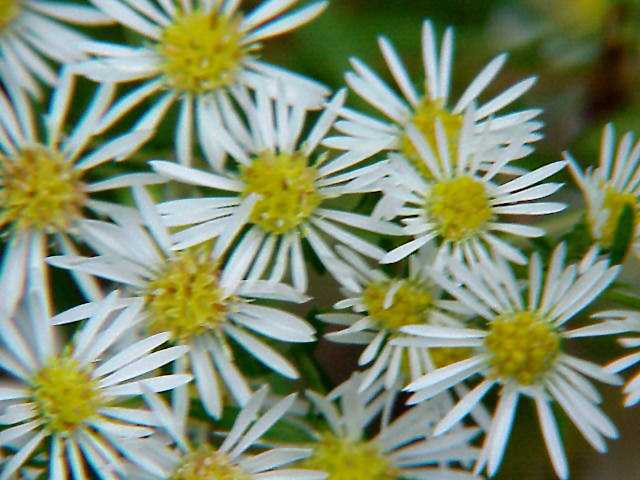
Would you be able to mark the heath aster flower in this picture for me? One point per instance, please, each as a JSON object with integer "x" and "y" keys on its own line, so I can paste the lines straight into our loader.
{"x": 461, "y": 207}
{"x": 195, "y": 53}
{"x": 34, "y": 33}
{"x": 73, "y": 398}
{"x": 191, "y": 295}
{"x": 423, "y": 108}
{"x": 611, "y": 186}
{"x": 231, "y": 460}
{"x": 44, "y": 184}
{"x": 522, "y": 349}
{"x": 384, "y": 306}
{"x": 403, "y": 448}
{"x": 279, "y": 190}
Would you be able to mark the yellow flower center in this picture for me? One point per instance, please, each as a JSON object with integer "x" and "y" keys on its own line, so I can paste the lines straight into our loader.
{"x": 614, "y": 203}
{"x": 201, "y": 51}
{"x": 40, "y": 189}
{"x": 424, "y": 119}
{"x": 185, "y": 298}
{"x": 65, "y": 394}
{"x": 522, "y": 347}
{"x": 460, "y": 207}
{"x": 206, "y": 463}
{"x": 410, "y": 305}
{"x": 9, "y": 10}
{"x": 286, "y": 185}
{"x": 349, "y": 460}
{"x": 445, "y": 356}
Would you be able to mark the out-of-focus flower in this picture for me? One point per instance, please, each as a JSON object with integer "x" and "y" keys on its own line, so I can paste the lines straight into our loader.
{"x": 404, "y": 448}
{"x": 34, "y": 33}
{"x": 229, "y": 461}
{"x": 425, "y": 110}
{"x": 610, "y": 187}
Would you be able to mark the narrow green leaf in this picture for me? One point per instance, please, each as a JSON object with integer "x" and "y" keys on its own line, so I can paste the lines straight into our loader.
{"x": 623, "y": 235}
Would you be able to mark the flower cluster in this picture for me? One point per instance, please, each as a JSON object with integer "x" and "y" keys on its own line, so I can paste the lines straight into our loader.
{"x": 195, "y": 268}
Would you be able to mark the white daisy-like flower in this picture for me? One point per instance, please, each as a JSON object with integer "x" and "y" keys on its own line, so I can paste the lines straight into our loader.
{"x": 614, "y": 184}
{"x": 461, "y": 207}
{"x": 192, "y": 296}
{"x": 34, "y": 33}
{"x": 44, "y": 183}
{"x": 523, "y": 350}
{"x": 280, "y": 191}
{"x": 75, "y": 398}
{"x": 625, "y": 321}
{"x": 197, "y": 53}
{"x": 384, "y": 308}
{"x": 403, "y": 448}
{"x": 229, "y": 461}
{"x": 422, "y": 109}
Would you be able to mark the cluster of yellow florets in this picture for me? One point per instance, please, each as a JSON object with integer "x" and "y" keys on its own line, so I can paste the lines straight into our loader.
{"x": 185, "y": 298}
{"x": 9, "y": 9}
{"x": 201, "y": 51}
{"x": 444, "y": 356}
{"x": 343, "y": 459}
{"x": 424, "y": 119}
{"x": 65, "y": 394}
{"x": 522, "y": 346}
{"x": 411, "y": 303}
{"x": 286, "y": 185}
{"x": 206, "y": 463}
{"x": 40, "y": 190}
{"x": 460, "y": 207}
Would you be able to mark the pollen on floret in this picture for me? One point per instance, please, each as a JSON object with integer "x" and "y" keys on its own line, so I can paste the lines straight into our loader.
{"x": 286, "y": 187}
{"x": 9, "y": 10}
{"x": 459, "y": 207}
{"x": 40, "y": 190}
{"x": 522, "y": 346}
{"x": 410, "y": 304}
{"x": 614, "y": 203}
{"x": 345, "y": 459}
{"x": 201, "y": 51}
{"x": 65, "y": 394}
{"x": 424, "y": 119}
{"x": 207, "y": 463}
{"x": 445, "y": 356}
{"x": 185, "y": 298}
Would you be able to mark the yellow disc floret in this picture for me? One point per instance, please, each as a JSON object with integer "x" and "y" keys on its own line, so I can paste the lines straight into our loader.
{"x": 9, "y": 10}
{"x": 40, "y": 190}
{"x": 614, "y": 203}
{"x": 65, "y": 394}
{"x": 206, "y": 463}
{"x": 523, "y": 346}
{"x": 286, "y": 185}
{"x": 185, "y": 298}
{"x": 410, "y": 305}
{"x": 201, "y": 51}
{"x": 424, "y": 119}
{"x": 343, "y": 459}
{"x": 445, "y": 356}
{"x": 459, "y": 207}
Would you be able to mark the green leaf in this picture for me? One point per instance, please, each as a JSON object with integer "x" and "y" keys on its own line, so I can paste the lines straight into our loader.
{"x": 623, "y": 235}
{"x": 623, "y": 299}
